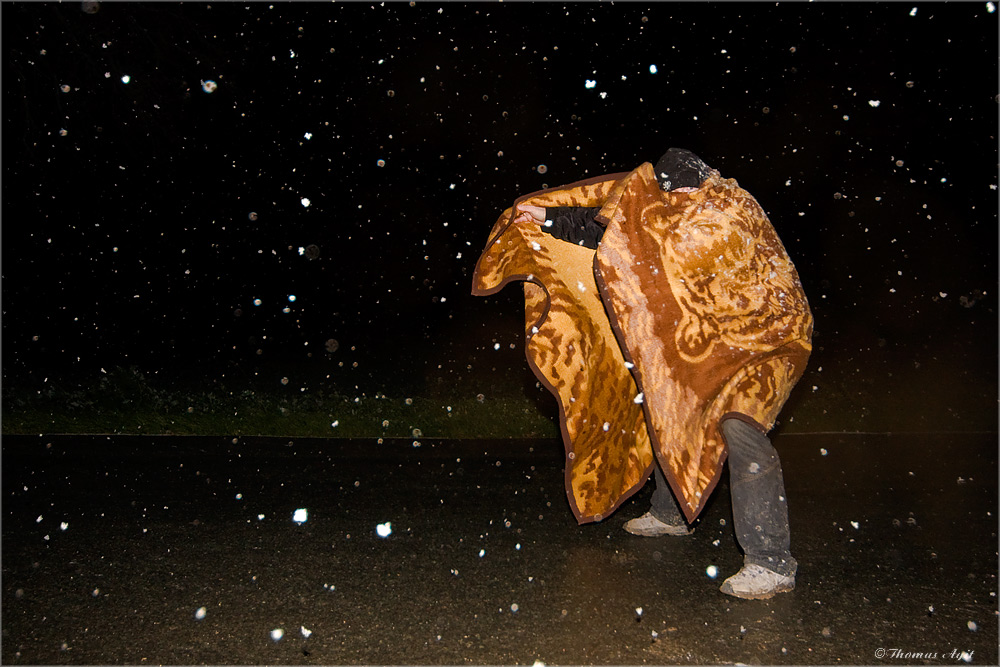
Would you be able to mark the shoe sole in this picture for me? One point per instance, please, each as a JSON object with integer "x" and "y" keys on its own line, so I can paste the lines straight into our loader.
{"x": 658, "y": 533}
{"x": 756, "y": 596}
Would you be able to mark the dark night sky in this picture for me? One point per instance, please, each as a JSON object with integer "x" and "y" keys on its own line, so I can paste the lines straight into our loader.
{"x": 867, "y": 132}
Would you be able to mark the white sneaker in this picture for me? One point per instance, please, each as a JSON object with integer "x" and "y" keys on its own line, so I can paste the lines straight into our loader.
{"x": 648, "y": 525}
{"x": 754, "y": 582}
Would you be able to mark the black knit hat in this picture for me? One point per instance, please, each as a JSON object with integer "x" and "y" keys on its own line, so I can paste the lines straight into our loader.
{"x": 679, "y": 168}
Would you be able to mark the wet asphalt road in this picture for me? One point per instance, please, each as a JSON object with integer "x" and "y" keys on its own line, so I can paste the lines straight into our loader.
{"x": 111, "y": 546}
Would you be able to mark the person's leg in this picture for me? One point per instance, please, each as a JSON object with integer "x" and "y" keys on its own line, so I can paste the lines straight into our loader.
{"x": 663, "y": 505}
{"x": 760, "y": 513}
{"x": 664, "y": 516}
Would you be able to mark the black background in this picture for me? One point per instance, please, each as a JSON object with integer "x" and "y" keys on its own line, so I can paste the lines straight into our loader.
{"x": 129, "y": 241}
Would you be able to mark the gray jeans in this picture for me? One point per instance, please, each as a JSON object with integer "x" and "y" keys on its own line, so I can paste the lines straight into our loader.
{"x": 760, "y": 513}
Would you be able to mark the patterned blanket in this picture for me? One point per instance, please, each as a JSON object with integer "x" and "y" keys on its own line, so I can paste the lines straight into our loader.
{"x": 690, "y": 309}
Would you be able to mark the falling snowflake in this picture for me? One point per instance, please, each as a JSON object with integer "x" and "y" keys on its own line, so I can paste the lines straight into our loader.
{"x": 384, "y": 529}
{"x": 712, "y": 571}
{"x": 300, "y": 516}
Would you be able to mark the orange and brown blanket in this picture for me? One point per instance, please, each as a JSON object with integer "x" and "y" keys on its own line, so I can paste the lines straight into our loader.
{"x": 689, "y": 309}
